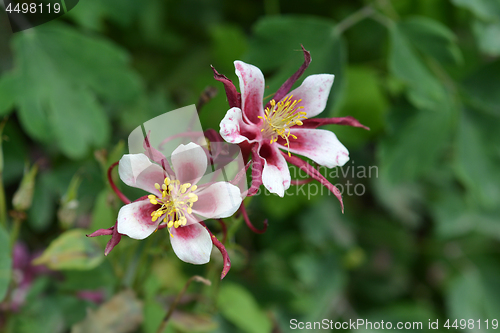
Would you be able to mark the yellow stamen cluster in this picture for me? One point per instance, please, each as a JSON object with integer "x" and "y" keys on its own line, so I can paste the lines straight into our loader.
{"x": 176, "y": 200}
{"x": 280, "y": 117}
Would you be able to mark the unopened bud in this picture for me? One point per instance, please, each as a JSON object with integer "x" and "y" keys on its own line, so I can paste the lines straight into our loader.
{"x": 24, "y": 195}
{"x": 69, "y": 204}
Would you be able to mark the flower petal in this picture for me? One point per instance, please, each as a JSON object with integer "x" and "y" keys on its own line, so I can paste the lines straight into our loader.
{"x": 230, "y": 126}
{"x": 233, "y": 97}
{"x": 192, "y": 243}
{"x": 285, "y": 87}
{"x": 347, "y": 121}
{"x": 312, "y": 172}
{"x": 151, "y": 152}
{"x": 218, "y": 200}
{"x": 319, "y": 145}
{"x": 134, "y": 219}
{"x": 275, "y": 175}
{"x": 314, "y": 93}
{"x": 136, "y": 170}
{"x": 189, "y": 162}
{"x": 252, "y": 90}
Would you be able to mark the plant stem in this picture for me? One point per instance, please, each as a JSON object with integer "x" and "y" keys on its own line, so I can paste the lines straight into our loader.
{"x": 164, "y": 322}
{"x": 16, "y": 225}
{"x": 353, "y": 19}
{"x": 3, "y": 205}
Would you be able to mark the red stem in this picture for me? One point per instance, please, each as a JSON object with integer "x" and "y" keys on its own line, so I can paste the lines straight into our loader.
{"x": 223, "y": 251}
{"x": 249, "y": 223}
{"x": 113, "y": 186}
{"x": 224, "y": 229}
{"x": 297, "y": 182}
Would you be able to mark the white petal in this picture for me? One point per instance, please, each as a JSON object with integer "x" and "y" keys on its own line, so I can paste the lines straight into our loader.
{"x": 218, "y": 200}
{"x": 189, "y": 162}
{"x": 314, "y": 93}
{"x": 230, "y": 126}
{"x": 275, "y": 175}
{"x": 319, "y": 145}
{"x": 192, "y": 243}
{"x": 136, "y": 170}
{"x": 134, "y": 219}
{"x": 252, "y": 90}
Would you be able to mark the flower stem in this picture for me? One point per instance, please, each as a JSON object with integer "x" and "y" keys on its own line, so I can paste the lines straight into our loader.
{"x": 3, "y": 205}
{"x": 113, "y": 186}
{"x": 173, "y": 306}
{"x": 353, "y": 19}
{"x": 18, "y": 218}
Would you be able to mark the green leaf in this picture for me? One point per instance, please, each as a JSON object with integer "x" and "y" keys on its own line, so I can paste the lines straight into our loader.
{"x": 432, "y": 38}
{"x": 61, "y": 73}
{"x": 121, "y": 314}
{"x": 103, "y": 214}
{"x": 71, "y": 250}
{"x": 5, "y": 263}
{"x": 7, "y": 93}
{"x": 370, "y": 110}
{"x": 417, "y": 315}
{"x": 189, "y": 322}
{"x": 415, "y": 147}
{"x": 239, "y": 307}
{"x": 474, "y": 293}
{"x": 475, "y": 166}
{"x": 424, "y": 90}
{"x": 485, "y": 9}
{"x": 41, "y": 212}
{"x": 487, "y": 37}
{"x": 456, "y": 217}
{"x": 275, "y": 46}
{"x": 91, "y": 14}
{"x": 482, "y": 87}
{"x": 228, "y": 44}
{"x": 41, "y": 315}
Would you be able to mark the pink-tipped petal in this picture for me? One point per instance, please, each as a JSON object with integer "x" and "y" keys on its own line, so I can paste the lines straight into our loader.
{"x": 233, "y": 97}
{"x": 115, "y": 239}
{"x": 347, "y": 121}
{"x": 321, "y": 146}
{"x": 218, "y": 200}
{"x": 230, "y": 126}
{"x": 257, "y": 167}
{"x": 134, "y": 219}
{"x": 189, "y": 162}
{"x": 275, "y": 175}
{"x": 192, "y": 243}
{"x": 252, "y": 90}
{"x": 136, "y": 170}
{"x": 285, "y": 88}
{"x": 151, "y": 152}
{"x": 314, "y": 93}
{"x": 250, "y": 224}
{"x": 312, "y": 172}
{"x": 102, "y": 232}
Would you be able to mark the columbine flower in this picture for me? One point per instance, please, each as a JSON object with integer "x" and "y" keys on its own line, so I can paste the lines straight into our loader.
{"x": 284, "y": 123}
{"x": 176, "y": 201}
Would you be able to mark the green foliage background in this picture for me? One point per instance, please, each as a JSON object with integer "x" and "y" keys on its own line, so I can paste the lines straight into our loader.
{"x": 421, "y": 243}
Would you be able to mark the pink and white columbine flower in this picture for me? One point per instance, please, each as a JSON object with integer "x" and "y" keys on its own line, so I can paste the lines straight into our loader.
{"x": 176, "y": 201}
{"x": 272, "y": 133}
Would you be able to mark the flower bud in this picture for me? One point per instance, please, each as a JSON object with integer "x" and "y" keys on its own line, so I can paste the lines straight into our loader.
{"x": 24, "y": 195}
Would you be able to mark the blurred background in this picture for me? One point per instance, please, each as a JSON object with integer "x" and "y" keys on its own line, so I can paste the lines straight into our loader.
{"x": 419, "y": 238}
